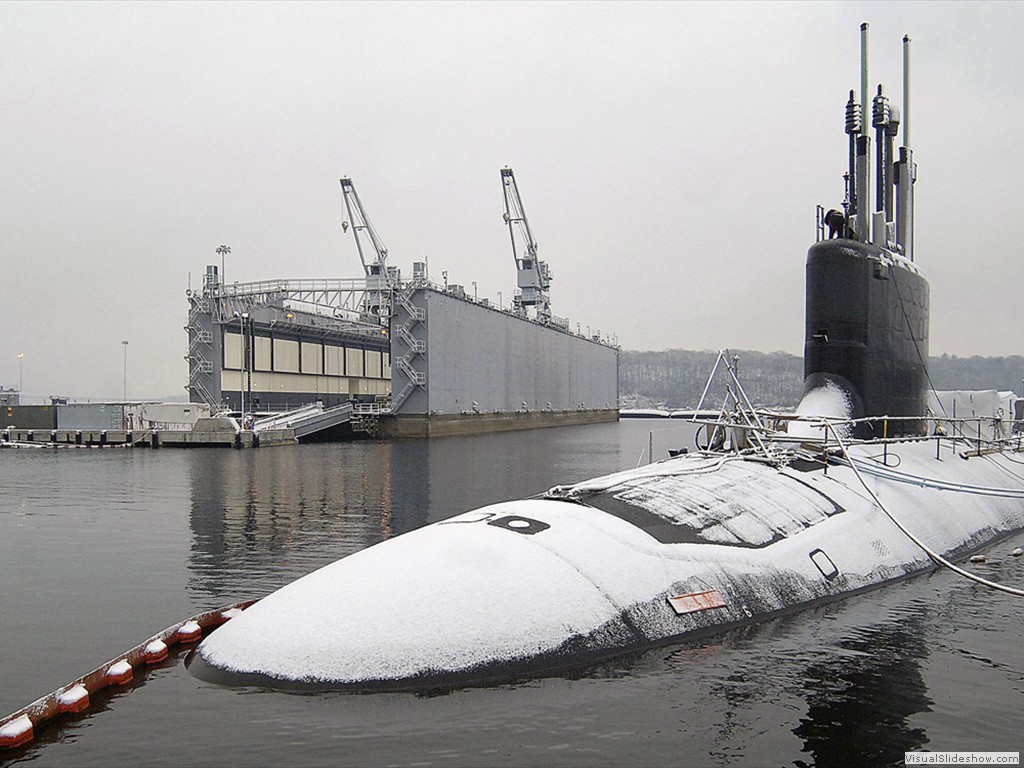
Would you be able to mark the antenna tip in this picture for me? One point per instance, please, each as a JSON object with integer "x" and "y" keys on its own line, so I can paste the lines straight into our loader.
{"x": 863, "y": 26}
{"x": 906, "y": 38}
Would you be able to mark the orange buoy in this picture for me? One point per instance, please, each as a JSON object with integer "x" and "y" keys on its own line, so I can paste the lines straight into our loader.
{"x": 155, "y": 652}
{"x": 74, "y": 699}
{"x": 15, "y": 733}
{"x": 119, "y": 673}
{"x": 189, "y": 632}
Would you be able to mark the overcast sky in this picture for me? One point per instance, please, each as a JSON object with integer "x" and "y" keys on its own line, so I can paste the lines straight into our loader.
{"x": 670, "y": 157}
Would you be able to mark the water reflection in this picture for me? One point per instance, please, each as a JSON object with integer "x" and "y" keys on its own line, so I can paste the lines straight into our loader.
{"x": 264, "y": 517}
{"x": 849, "y": 683}
{"x": 261, "y": 518}
{"x": 862, "y": 695}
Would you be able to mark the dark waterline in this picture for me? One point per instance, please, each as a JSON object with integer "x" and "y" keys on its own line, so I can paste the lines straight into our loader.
{"x": 101, "y": 548}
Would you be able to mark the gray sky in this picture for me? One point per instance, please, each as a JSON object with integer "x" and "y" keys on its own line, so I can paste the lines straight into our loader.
{"x": 670, "y": 157}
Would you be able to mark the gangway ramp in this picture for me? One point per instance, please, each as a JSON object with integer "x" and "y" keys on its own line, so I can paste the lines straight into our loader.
{"x": 310, "y": 421}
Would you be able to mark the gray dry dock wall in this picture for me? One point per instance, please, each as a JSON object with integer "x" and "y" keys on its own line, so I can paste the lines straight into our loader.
{"x": 476, "y": 353}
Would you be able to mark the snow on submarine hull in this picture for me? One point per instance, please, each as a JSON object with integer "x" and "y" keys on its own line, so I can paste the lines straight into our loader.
{"x": 695, "y": 544}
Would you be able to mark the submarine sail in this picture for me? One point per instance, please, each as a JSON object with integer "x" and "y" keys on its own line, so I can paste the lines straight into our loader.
{"x": 866, "y": 329}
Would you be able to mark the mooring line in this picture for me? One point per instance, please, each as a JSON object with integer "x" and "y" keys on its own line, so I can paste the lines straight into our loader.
{"x": 935, "y": 556}
{"x": 18, "y": 728}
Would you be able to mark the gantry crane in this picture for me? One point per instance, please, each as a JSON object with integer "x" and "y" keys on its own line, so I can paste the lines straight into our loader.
{"x": 534, "y": 277}
{"x": 380, "y": 280}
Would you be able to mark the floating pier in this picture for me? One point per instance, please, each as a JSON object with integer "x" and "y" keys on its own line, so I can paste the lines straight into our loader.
{"x": 312, "y": 422}
{"x": 119, "y": 438}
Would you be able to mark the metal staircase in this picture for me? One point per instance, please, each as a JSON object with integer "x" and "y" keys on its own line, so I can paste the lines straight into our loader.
{"x": 200, "y": 343}
{"x": 416, "y": 348}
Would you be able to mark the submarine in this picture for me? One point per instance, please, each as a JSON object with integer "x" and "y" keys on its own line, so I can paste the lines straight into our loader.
{"x": 866, "y": 483}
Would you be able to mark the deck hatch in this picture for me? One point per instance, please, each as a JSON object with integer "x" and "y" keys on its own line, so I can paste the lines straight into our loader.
{"x": 824, "y": 563}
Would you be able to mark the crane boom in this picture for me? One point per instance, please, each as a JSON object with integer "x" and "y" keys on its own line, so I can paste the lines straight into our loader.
{"x": 378, "y": 262}
{"x": 533, "y": 275}
{"x": 380, "y": 280}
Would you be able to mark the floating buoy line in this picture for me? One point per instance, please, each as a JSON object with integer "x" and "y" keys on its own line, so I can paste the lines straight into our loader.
{"x": 19, "y": 729}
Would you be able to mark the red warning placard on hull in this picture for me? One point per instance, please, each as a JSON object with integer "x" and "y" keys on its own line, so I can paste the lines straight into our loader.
{"x": 697, "y": 601}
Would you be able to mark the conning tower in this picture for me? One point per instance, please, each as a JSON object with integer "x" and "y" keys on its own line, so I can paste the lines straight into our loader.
{"x": 866, "y": 327}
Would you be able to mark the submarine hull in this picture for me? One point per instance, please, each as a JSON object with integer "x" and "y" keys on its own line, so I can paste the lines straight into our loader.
{"x": 693, "y": 545}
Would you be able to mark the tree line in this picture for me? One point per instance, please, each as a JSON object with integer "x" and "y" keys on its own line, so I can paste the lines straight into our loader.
{"x": 675, "y": 378}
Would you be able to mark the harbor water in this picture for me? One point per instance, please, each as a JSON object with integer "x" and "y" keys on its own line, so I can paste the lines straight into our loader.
{"x": 102, "y": 548}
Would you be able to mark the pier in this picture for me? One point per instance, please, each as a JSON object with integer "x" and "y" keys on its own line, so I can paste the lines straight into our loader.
{"x": 311, "y": 422}
{"x": 155, "y": 438}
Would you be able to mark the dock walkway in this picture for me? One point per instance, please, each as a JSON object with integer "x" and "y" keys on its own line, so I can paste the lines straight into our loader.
{"x": 149, "y": 438}
{"x": 287, "y": 428}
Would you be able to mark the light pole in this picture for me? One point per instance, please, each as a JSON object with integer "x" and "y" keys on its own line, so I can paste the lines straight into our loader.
{"x": 241, "y": 367}
{"x": 222, "y": 250}
{"x": 247, "y": 357}
{"x": 500, "y": 304}
{"x": 21, "y": 377}
{"x": 124, "y": 395}
{"x": 474, "y": 290}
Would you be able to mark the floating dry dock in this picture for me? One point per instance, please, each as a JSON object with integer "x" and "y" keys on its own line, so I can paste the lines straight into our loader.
{"x": 436, "y": 358}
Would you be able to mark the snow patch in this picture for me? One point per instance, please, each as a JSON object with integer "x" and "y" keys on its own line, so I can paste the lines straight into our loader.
{"x": 740, "y": 503}
{"x": 16, "y": 727}
{"x": 446, "y": 597}
{"x": 73, "y": 695}
{"x": 825, "y": 402}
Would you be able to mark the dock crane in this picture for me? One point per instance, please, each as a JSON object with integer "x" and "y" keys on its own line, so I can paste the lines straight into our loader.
{"x": 380, "y": 279}
{"x": 534, "y": 277}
